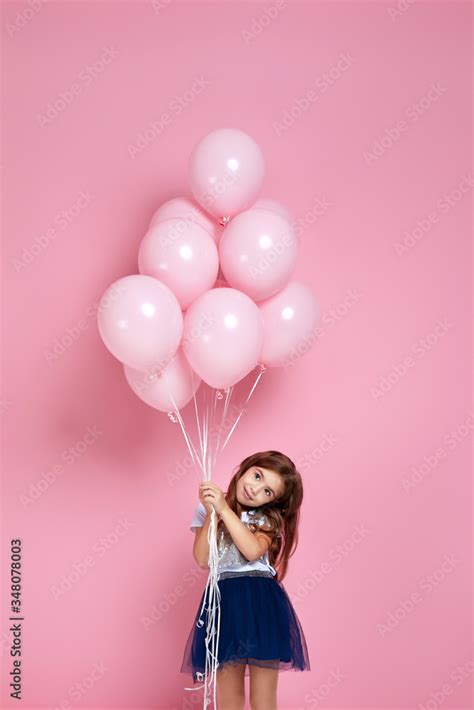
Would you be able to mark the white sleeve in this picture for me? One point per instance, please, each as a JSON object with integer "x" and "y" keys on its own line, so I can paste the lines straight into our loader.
{"x": 198, "y": 517}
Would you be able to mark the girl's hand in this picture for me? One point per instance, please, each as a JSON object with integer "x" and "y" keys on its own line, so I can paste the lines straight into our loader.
{"x": 205, "y": 501}
{"x": 211, "y": 497}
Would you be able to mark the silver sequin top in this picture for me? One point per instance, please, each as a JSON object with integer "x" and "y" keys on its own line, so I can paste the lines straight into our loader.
{"x": 230, "y": 557}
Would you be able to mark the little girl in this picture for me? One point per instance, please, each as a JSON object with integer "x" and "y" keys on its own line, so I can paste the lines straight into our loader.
{"x": 257, "y": 533}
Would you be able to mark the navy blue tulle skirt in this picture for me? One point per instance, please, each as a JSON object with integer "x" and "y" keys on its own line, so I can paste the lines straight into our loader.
{"x": 258, "y": 626}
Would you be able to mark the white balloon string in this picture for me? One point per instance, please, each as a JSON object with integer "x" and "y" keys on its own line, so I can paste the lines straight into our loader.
{"x": 213, "y": 596}
{"x": 196, "y": 412}
{"x": 228, "y": 395}
{"x": 243, "y": 408}
{"x": 208, "y": 433}
{"x": 212, "y": 592}
{"x": 210, "y": 430}
{"x": 191, "y": 448}
{"x": 204, "y": 428}
{"x": 213, "y": 432}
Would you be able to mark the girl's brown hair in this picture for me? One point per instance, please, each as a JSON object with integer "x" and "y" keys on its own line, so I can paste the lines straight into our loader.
{"x": 282, "y": 513}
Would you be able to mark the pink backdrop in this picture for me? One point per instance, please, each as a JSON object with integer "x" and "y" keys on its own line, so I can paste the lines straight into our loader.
{"x": 363, "y": 114}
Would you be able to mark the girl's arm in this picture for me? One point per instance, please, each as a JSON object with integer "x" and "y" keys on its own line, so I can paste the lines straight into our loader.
{"x": 201, "y": 545}
{"x": 251, "y": 545}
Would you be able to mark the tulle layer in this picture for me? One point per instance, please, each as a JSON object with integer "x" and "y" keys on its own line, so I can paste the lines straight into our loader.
{"x": 258, "y": 626}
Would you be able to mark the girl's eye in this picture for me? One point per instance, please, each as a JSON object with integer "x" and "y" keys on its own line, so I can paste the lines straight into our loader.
{"x": 266, "y": 489}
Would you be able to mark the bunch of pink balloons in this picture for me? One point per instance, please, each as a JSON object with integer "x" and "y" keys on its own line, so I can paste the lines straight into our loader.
{"x": 175, "y": 324}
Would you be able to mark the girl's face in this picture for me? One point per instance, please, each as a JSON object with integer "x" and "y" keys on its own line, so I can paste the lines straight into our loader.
{"x": 258, "y": 486}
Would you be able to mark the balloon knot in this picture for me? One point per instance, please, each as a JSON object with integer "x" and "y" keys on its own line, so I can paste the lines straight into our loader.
{"x": 155, "y": 375}
{"x": 224, "y": 221}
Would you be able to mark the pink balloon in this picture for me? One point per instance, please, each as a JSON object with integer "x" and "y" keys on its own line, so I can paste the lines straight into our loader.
{"x": 174, "y": 385}
{"x": 223, "y": 336}
{"x": 140, "y": 322}
{"x": 267, "y": 203}
{"x": 290, "y": 319}
{"x": 187, "y": 210}
{"x": 182, "y": 255}
{"x": 226, "y": 170}
{"x": 258, "y": 252}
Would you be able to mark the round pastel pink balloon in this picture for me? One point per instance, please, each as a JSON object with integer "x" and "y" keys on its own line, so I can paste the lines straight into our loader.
{"x": 140, "y": 322}
{"x": 267, "y": 203}
{"x": 223, "y": 336}
{"x": 258, "y": 252}
{"x": 182, "y": 255}
{"x": 171, "y": 388}
{"x": 226, "y": 170}
{"x": 185, "y": 209}
{"x": 290, "y": 320}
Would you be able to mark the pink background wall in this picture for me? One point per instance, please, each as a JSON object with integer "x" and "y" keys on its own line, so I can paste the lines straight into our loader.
{"x": 378, "y": 415}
